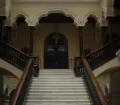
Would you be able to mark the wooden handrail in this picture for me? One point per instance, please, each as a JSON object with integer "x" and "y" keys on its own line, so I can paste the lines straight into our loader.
{"x": 95, "y": 82}
{"x": 36, "y": 66}
{"x": 20, "y": 84}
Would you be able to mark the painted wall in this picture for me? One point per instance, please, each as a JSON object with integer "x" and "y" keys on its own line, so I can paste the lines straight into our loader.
{"x": 11, "y": 82}
{"x": 2, "y": 8}
{"x": 103, "y": 80}
{"x": 110, "y": 79}
{"x": 68, "y": 30}
{"x": 92, "y": 38}
{"x": 111, "y": 64}
{"x": 5, "y": 7}
{"x": 20, "y": 36}
{"x": 17, "y": 72}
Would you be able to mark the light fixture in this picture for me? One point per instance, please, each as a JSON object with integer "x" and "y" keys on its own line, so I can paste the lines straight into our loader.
{"x": 56, "y": 37}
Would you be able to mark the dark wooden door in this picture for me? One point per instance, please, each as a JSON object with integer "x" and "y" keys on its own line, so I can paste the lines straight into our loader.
{"x": 56, "y": 51}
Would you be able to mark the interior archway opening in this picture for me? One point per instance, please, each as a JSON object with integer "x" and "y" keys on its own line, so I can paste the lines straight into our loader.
{"x": 62, "y": 33}
{"x": 92, "y": 37}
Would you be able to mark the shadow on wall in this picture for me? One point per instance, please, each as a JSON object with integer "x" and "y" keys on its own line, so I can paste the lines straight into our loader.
{"x": 109, "y": 82}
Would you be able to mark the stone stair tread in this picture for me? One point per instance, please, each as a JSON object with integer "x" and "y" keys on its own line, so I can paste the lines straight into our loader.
{"x": 63, "y": 82}
{"x": 58, "y": 79}
{"x": 55, "y": 93}
{"x": 53, "y": 73}
{"x": 56, "y": 103}
{"x": 59, "y": 100}
{"x": 45, "y": 85}
{"x": 56, "y": 76}
{"x": 58, "y": 97}
{"x": 57, "y": 90}
{"x": 57, "y": 87}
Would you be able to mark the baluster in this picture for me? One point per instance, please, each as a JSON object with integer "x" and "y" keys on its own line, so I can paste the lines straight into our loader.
{"x": 8, "y": 53}
{"x": 98, "y": 58}
{"x": 20, "y": 61}
{"x": 18, "y": 57}
{"x": 93, "y": 60}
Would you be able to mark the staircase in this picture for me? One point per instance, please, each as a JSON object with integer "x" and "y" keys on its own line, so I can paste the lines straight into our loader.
{"x": 57, "y": 87}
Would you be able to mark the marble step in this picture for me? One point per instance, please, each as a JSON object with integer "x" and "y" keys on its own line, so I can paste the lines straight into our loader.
{"x": 60, "y": 82}
{"x": 57, "y": 79}
{"x": 63, "y": 84}
{"x": 57, "y": 103}
{"x": 56, "y": 76}
{"x": 58, "y": 93}
{"x": 59, "y": 100}
{"x": 56, "y": 70}
{"x": 41, "y": 97}
{"x": 56, "y": 73}
{"x": 58, "y": 88}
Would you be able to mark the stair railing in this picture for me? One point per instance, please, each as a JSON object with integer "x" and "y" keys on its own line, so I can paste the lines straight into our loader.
{"x": 20, "y": 92}
{"x": 77, "y": 66}
{"x": 104, "y": 54}
{"x": 95, "y": 91}
{"x": 13, "y": 56}
{"x": 36, "y": 66}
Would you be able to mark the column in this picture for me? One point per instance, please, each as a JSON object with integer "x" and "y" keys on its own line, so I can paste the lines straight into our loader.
{"x": 80, "y": 29}
{"x": 110, "y": 27}
{"x": 2, "y": 24}
{"x": 32, "y": 28}
{"x": 104, "y": 35}
{"x": 7, "y": 33}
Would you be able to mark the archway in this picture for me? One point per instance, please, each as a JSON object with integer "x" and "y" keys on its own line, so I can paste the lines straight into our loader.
{"x": 57, "y": 23}
{"x": 91, "y": 33}
{"x": 56, "y": 51}
{"x": 20, "y": 31}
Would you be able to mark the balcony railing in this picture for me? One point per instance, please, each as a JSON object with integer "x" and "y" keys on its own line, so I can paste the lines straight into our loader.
{"x": 13, "y": 56}
{"x": 104, "y": 54}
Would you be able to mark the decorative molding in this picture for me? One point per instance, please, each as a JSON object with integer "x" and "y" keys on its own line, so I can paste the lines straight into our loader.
{"x": 64, "y": 11}
{"x": 56, "y": 1}
{"x": 13, "y": 22}
{"x": 79, "y": 20}
{"x": 91, "y": 14}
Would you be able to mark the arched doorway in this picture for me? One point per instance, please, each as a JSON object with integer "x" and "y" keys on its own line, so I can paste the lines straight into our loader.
{"x": 56, "y": 51}
{"x": 91, "y": 33}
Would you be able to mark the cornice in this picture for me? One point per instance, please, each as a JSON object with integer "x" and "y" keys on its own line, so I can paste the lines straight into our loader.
{"x": 56, "y": 1}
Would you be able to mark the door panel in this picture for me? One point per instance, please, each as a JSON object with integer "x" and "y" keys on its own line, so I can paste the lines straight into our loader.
{"x": 56, "y": 54}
